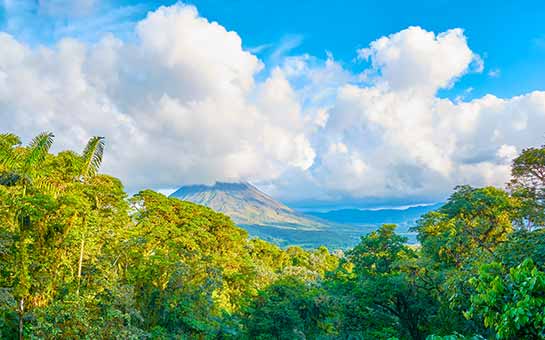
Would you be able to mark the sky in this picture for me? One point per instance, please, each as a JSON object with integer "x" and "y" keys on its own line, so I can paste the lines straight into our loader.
{"x": 320, "y": 104}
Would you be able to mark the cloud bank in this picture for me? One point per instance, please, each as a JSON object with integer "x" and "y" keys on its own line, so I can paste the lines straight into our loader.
{"x": 185, "y": 103}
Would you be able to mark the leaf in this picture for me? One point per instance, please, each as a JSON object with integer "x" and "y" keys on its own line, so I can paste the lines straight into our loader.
{"x": 38, "y": 150}
{"x": 92, "y": 157}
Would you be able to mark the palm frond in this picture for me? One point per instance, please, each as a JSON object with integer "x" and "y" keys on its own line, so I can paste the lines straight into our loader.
{"x": 92, "y": 156}
{"x": 49, "y": 186}
{"x": 38, "y": 150}
{"x": 7, "y": 143}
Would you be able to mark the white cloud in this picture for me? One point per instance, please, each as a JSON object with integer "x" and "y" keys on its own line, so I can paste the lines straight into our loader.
{"x": 415, "y": 59}
{"x": 180, "y": 105}
{"x": 412, "y": 143}
{"x": 184, "y": 103}
{"x": 507, "y": 152}
{"x": 494, "y": 73}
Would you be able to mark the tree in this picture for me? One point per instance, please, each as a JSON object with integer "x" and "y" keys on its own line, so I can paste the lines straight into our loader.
{"x": 42, "y": 210}
{"x": 528, "y": 184}
{"x": 521, "y": 245}
{"x": 456, "y": 239}
{"x": 189, "y": 264}
{"x": 511, "y": 301}
{"x": 385, "y": 295}
{"x": 24, "y": 171}
{"x": 289, "y": 309}
{"x": 91, "y": 159}
{"x": 472, "y": 221}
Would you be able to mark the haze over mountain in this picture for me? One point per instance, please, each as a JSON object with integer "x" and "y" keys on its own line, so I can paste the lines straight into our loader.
{"x": 373, "y": 216}
{"x": 263, "y": 216}
{"x": 273, "y": 221}
{"x": 246, "y": 205}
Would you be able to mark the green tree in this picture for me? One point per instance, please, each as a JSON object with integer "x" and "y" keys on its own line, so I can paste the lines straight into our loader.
{"x": 189, "y": 264}
{"x": 512, "y": 302}
{"x": 289, "y": 309}
{"x": 472, "y": 221}
{"x": 381, "y": 292}
{"x": 528, "y": 184}
{"x": 43, "y": 205}
{"x": 22, "y": 171}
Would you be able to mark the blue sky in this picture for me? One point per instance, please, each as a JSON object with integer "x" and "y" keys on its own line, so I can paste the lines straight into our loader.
{"x": 510, "y": 36}
{"x": 319, "y": 103}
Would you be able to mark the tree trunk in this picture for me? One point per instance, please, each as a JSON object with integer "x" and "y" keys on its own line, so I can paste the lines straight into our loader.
{"x": 80, "y": 264}
{"x": 21, "y": 313}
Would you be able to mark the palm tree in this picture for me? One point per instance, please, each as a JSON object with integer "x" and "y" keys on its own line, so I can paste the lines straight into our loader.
{"x": 22, "y": 169}
{"x": 92, "y": 157}
{"x": 8, "y": 141}
{"x": 91, "y": 161}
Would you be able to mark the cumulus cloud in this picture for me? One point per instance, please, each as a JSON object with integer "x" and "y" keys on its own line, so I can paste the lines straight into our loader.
{"x": 416, "y": 59}
{"x": 405, "y": 141}
{"x": 183, "y": 103}
{"x": 180, "y": 105}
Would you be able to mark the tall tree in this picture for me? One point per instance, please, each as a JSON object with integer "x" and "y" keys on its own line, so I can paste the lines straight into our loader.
{"x": 528, "y": 184}
{"x": 91, "y": 159}
{"x": 24, "y": 171}
{"x": 472, "y": 221}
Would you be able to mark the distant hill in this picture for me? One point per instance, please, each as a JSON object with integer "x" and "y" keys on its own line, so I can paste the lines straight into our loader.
{"x": 264, "y": 217}
{"x": 361, "y": 216}
{"x": 246, "y": 204}
{"x": 261, "y": 215}
{"x": 368, "y": 220}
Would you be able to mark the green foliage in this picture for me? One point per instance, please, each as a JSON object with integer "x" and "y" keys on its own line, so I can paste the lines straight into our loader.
{"x": 455, "y": 336}
{"x": 472, "y": 221}
{"x": 521, "y": 245}
{"x": 528, "y": 185}
{"x": 79, "y": 259}
{"x": 382, "y": 291}
{"x": 289, "y": 309}
{"x": 512, "y": 301}
{"x": 92, "y": 157}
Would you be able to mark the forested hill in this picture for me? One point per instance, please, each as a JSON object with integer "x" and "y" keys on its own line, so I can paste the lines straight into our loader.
{"x": 268, "y": 219}
{"x": 247, "y": 205}
{"x": 81, "y": 259}
{"x": 369, "y": 216}
{"x": 264, "y": 217}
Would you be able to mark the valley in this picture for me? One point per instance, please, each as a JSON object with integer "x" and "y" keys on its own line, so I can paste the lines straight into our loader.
{"x": 264, "y": 217}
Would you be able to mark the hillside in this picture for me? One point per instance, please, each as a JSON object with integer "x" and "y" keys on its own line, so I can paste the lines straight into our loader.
{"x": 365, "y": 216}
{"x": 246, "y": 205}
{"x": 263, "y": 216}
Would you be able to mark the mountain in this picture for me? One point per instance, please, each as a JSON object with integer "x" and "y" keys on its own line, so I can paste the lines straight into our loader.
{"x": 365, "y": 220}
{"x": 264, "y": 217}
{"x": 261, "y": 215}
{"x": 245, "y": 204}
{"x": 364, "y": 216}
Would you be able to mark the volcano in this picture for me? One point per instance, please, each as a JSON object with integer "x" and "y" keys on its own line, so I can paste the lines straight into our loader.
{"x": 260, "y": 214}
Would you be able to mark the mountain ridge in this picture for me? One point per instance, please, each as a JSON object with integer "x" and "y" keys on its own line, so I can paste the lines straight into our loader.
{"x": 247, "y": 205}
{"x": 373, "y": 216}
{"x": 264, "y": 217}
